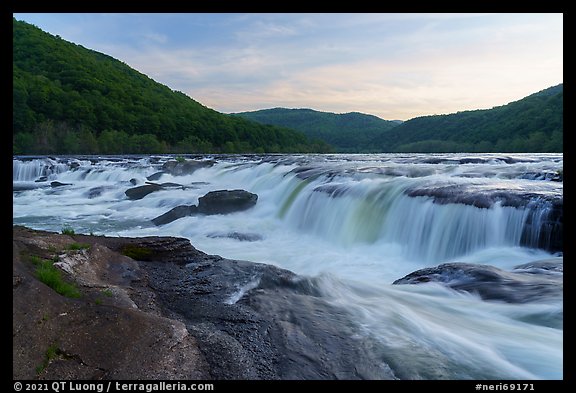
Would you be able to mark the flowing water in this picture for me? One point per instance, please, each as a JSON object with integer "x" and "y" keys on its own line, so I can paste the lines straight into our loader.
{"x": 356, "y": 223}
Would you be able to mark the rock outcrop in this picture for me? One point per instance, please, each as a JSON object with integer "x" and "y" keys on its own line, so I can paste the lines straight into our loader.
{"x": 157, "y": 308}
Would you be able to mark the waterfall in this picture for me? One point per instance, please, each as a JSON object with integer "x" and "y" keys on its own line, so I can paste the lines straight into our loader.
{"x": 34, "y": 169}
{"x": 372, "y": 211}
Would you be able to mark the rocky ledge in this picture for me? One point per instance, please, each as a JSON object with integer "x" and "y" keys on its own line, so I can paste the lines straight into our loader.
{"x": 157, "y": 308}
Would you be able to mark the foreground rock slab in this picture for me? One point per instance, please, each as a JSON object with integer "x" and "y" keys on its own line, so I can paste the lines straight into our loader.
{"x": 157, "y": 308}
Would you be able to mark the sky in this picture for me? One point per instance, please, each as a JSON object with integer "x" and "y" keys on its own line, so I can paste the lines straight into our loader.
{"x": 392, "y": 65}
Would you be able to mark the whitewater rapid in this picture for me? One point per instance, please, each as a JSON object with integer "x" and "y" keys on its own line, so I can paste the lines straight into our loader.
{"x": 355, "y": 223}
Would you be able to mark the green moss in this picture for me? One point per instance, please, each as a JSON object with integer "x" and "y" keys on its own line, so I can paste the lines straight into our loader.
{"x": 136, "y": 252}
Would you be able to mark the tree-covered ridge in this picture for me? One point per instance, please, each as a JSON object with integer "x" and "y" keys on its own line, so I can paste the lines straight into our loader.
{"x": 532, "y": 124}
{"x": 69, "y": 99}
{"x": 348, "y": 132}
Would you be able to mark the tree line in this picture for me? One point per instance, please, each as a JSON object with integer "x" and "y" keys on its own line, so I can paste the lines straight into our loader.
{"x": 69, "y": 99}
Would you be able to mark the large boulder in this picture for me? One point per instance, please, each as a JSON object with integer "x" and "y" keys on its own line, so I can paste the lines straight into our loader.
{"x": 175, "y": 214}
{"x": 226, "y": 201}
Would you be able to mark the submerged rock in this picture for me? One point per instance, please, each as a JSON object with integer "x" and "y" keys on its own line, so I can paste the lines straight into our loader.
{"x": 491, "y": 283}
{"x": 59, "y": 184}
{"x": 95, "y": 192}
{"x": 243, "y": 237}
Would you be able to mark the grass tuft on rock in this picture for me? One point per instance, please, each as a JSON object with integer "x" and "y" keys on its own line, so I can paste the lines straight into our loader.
{"x": 78, "y": 246}
{"x": 51, "y": 276}
{"x": 51, "y": 353}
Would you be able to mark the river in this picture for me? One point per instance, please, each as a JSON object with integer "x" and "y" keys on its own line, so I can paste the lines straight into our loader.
{"x": 356, "y": 223}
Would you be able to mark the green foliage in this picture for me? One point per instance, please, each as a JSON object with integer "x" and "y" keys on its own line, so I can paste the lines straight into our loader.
{"x": 50, "y": 354}
{"x": 51, "y": 276}
{"x": 78, "y": 246}
{"x": 69, "y": 99}
{"x": 107, "y": 292}
{"x": 533, "y": 124}
{"x": 67, "y": 230}
{"x": 348, "y": 133}
{"x": 136, "y": 252}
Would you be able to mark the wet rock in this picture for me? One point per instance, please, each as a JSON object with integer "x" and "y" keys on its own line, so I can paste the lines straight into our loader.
{"x": 256, "y": 321}
{"x": 167, "y": 185}
{"x": 226, "y": 201}
{"x": 243, "y": 237}
{"x": 186, "y": 167}
{"x": 59, "y": 184}
{"x": 95, "y": 192}
{"x": 183, "y": 314}
{"x": 141, "y": 191}
{"x": 489, "y": 282}
{"x": 552, "y": 266}
{"x": 175, "y": 213}
{"x": 155, "y": 176}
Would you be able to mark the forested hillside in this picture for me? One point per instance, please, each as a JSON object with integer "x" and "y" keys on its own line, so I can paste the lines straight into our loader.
{"x": 69, "y": 99}
{"x": 532, "y": 124}
{"x": 347, "y": 132}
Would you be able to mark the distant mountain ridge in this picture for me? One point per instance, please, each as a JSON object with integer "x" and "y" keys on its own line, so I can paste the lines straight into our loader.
{"x": 531, "y": 124}
{"x": 347, "y": 132}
